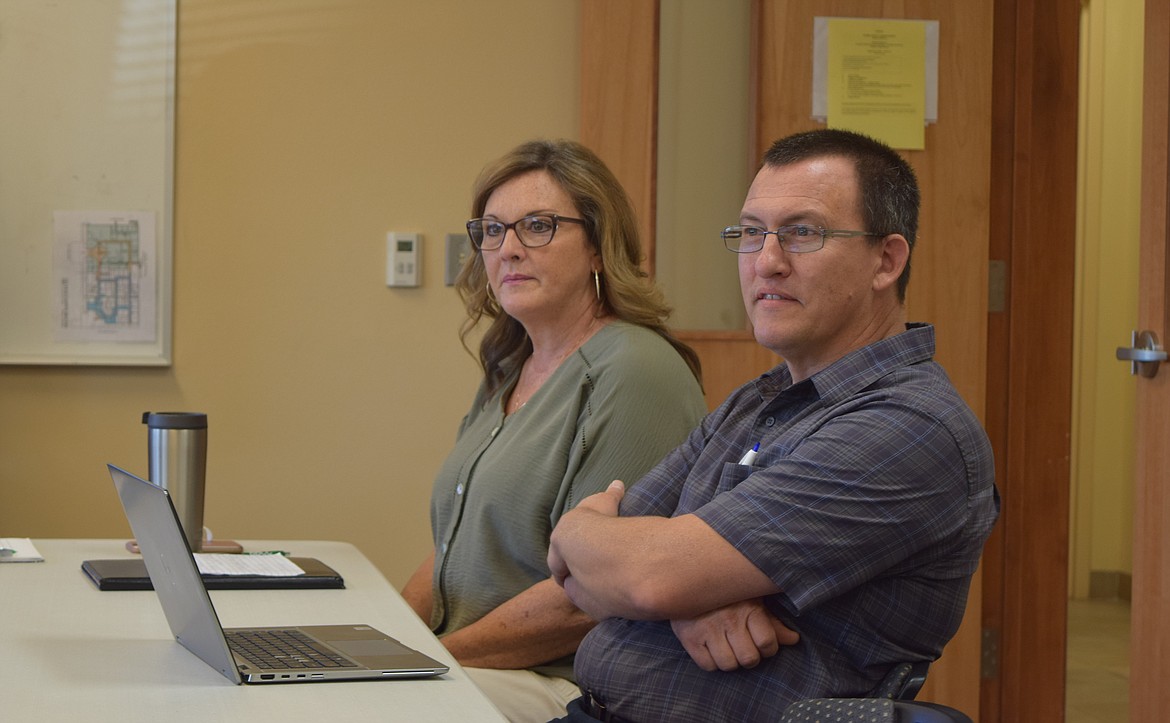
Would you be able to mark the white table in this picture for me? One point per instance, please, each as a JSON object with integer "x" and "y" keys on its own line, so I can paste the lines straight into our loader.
{"x": 69, "y": 652}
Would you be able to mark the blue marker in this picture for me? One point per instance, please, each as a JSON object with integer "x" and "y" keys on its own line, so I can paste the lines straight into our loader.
{"x": 750, "y": 456}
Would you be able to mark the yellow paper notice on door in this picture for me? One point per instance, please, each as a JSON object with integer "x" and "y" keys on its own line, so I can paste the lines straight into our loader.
{"x": 877, "y": 79}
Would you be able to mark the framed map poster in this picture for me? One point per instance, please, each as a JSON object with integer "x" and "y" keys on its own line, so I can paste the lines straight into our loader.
{"x": 86, "y": 181}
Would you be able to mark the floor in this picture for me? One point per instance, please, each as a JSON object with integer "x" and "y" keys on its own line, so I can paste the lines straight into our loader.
{"x": 1097, "y": 689}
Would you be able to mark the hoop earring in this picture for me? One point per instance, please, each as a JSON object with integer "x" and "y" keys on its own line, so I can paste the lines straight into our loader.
{"x": 488, "y": 287}
{"x": 597, "y": 284}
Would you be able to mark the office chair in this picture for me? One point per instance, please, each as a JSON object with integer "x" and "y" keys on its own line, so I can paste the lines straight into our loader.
{"x": 892, "y": 701}
{"x": 870, "y": 710}
{"x": 902, "y": 682}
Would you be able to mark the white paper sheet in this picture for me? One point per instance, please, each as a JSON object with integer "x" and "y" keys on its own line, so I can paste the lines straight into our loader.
{"x": 25, "y": 550}
{"x": 274, "y": 565}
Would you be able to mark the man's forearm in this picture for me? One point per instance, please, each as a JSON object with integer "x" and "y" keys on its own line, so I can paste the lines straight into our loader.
{"x": 597, "y": 564}
{"x": 649, "y": 568}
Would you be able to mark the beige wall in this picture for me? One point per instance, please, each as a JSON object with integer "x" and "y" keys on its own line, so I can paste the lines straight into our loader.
{"x": 1107, "y": 247}
{"x": 305, "y": 131}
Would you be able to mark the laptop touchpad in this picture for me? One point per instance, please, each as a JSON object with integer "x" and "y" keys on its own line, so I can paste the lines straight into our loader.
{"x": 366, "y": 648}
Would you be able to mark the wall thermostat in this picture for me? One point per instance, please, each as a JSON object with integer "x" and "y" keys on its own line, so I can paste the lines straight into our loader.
{"x": 403, "y": 259}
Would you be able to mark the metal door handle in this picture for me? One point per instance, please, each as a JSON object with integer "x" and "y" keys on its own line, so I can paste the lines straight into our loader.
{"x": 1145, "y": 354}
{"x": 1126, "y": 353}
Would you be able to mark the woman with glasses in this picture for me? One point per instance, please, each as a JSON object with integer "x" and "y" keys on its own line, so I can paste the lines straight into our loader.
{"x": 582, "y": 384}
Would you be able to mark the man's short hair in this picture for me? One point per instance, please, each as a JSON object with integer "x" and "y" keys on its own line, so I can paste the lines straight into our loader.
{"x": 890, "y": 198}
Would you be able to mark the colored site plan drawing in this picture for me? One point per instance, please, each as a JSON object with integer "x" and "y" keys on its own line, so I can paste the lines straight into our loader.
{"x": 105, "y": 276}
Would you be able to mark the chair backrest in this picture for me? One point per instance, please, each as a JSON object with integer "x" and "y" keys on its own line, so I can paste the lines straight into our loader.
{"x": 853, "y": 710}
{"x": 892, "y": 701}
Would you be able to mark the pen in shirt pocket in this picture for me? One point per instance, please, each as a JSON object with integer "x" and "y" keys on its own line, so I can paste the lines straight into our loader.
{"x": 749, "y": 457}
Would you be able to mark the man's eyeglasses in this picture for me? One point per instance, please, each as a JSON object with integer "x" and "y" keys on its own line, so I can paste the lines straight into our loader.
{"x": 795, "y": 239}
{"x": 487, "y": 234}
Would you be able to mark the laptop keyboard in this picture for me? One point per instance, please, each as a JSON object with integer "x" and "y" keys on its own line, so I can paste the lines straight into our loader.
{"x": 274, "y": 649}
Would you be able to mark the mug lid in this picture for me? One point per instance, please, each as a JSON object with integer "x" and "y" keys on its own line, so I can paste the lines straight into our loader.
{"x": 175, "y": 420}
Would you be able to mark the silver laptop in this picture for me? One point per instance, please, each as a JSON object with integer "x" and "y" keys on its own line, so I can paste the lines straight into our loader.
{"x": 317, "y": 652}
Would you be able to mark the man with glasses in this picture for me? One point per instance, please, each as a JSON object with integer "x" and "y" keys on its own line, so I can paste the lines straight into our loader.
{"x": 822, "y": 525}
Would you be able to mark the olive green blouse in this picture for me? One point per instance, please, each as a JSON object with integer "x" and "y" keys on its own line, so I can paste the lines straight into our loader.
{"x": 611, "y": 411}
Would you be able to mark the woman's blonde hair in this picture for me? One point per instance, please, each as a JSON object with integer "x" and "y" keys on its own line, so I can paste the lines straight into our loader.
{"x": 626, "y": 291}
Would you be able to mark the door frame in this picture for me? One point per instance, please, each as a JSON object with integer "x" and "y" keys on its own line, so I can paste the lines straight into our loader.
{"x": 1030, "y": 357}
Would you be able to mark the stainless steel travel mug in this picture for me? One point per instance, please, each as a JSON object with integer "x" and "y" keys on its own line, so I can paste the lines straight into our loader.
{"x": 177, "y": 447}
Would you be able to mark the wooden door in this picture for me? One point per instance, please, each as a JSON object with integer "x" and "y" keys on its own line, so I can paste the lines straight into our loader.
{"x": 1150, "y": 642}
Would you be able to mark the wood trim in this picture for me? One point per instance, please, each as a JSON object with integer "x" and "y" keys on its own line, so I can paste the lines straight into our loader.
{"x": 1034, "y": 153}
{"x": 729, "y": 359}
{"x": 1149, "y": 696}
{"x": 619, "y": 100}
{"x": 998, "y": 357}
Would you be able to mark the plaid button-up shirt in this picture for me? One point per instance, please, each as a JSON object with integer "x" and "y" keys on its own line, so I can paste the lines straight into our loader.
{"x": 868, "y": 505}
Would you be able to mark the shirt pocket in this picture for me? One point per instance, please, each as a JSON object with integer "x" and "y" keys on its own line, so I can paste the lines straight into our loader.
{"x": 695, "y": 495}
{"x": 733, "y": 474}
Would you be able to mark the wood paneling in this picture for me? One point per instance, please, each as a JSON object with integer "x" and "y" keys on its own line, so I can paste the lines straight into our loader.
{"x": 729, "y": 358}
{"x": 619, "y": 99}
{"x": 949, "y": 280}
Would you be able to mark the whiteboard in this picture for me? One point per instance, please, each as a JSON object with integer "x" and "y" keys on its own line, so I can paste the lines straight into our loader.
{"x": 86, "y": 181}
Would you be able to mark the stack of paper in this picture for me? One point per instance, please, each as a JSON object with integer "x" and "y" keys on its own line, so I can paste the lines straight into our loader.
{"x": 18, "y": 549}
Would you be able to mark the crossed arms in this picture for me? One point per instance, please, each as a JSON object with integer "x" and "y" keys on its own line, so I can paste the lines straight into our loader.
{"x": 667, "y": 568}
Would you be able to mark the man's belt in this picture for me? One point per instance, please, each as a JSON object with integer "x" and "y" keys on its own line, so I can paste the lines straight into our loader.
{"x": 596, "y": 709}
